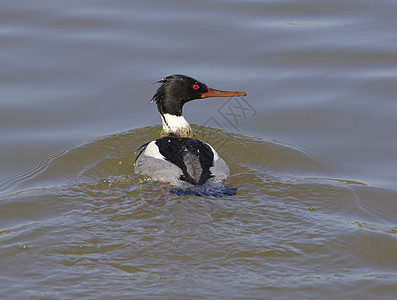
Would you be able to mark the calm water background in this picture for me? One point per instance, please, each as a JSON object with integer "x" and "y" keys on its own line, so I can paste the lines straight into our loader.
{"x": 312, "y": 149}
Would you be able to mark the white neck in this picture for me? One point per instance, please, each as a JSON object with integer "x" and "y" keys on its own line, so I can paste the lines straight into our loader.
{"x": 172, "y": 124}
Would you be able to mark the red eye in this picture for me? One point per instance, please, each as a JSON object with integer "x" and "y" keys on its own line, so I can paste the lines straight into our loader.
{"x": 195, "y": 86}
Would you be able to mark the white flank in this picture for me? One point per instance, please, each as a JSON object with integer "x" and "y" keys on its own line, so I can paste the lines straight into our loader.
{"x": 173, "y": 123}
{"x": 216, "y": 156}
{"x": 153, "y": 151}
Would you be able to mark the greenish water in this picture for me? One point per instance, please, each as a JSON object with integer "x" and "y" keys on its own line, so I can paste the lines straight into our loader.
{"x": 296, "y": 225}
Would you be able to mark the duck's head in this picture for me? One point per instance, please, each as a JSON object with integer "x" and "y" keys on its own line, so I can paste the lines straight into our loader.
{"x": 175, "y": 91}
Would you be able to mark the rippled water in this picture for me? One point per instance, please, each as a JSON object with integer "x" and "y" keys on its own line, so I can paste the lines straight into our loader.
{"x": 312, "y": 150}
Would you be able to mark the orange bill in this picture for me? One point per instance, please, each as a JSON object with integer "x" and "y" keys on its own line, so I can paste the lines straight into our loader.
{"x": 218, "y": 93}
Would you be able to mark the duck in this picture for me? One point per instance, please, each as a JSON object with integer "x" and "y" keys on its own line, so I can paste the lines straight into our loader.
{"x": 189, "y": 165}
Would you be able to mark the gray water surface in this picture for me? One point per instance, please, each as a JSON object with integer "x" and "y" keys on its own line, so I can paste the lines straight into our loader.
{"x": 312, "y": 150}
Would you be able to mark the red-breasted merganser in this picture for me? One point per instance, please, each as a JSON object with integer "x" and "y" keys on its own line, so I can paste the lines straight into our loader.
{"x": 190, "y": 165}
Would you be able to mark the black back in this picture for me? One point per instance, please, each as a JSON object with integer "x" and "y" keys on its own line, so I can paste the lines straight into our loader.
{"x": 193, "y": 157}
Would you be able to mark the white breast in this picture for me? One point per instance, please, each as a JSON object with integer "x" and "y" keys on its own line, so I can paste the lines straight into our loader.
{"x": 153, "y": 151}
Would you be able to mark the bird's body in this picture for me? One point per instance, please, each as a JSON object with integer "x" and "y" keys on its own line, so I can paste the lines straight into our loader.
{"x": 176, "y": 157}
{"x": 181, "y": 161}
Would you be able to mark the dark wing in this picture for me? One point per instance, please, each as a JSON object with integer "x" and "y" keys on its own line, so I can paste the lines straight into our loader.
{"x": 192, "y": 156}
